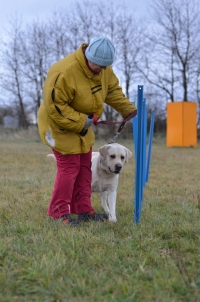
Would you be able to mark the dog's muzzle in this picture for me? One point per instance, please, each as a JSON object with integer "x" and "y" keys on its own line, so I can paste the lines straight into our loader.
{"x": 118, "y": 168}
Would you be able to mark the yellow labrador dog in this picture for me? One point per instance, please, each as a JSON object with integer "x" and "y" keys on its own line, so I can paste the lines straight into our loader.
{"x": 107, "y": 164}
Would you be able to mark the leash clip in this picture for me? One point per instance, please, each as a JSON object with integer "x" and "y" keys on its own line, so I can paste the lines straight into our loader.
{"x": 114, "y": 138}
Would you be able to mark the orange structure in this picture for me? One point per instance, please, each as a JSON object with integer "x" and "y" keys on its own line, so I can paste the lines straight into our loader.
{"x": 181, "y": 124}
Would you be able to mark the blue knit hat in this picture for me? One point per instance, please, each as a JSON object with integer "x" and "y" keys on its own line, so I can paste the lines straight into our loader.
{"x": 100, "y": 51}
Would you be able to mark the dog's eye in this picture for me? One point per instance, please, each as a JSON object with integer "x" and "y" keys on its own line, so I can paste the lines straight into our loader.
{"x": 122, "y": 157}
{"x": 112, "y": 156}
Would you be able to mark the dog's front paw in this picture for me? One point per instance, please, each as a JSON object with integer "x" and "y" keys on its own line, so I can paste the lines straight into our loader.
{"x": 112, "y": 219}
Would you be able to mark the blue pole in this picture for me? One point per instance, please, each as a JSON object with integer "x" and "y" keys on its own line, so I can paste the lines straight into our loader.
{"x": 150, "y": 145}
{"x": 142, "y": 137}
{"x": 134, "y": 124}
{"x": 138, "y": 173}
{"x": 144, "y": 115}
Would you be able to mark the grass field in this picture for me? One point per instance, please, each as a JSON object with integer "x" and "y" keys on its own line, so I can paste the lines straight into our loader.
{"x": 157, "y": 260}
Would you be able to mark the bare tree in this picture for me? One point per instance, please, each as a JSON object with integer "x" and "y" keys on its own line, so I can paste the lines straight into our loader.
{"x": 40, "y": 44}
{"x": 130, "y": 37}
{"x": 36, "y": 59}
{"x": 107, "y": 25}
{"x": 12, "y": 74}
{"x": 173, "y": 44}
{"x": 87, "y": 16}
{"x": 196, "y": 87}
{"x": 60, "y": 34}
{"x": 153, "y": 68}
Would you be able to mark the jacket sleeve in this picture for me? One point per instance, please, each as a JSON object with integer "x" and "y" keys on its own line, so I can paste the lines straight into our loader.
{"x": 59, "y": 96}
{"x": 116, "y": 98}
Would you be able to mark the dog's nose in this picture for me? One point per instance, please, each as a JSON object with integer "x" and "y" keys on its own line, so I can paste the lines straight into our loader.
{"x": 118, "y": 167}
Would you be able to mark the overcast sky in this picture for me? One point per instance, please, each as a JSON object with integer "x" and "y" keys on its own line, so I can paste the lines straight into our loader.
{"x": 34, "y": 9}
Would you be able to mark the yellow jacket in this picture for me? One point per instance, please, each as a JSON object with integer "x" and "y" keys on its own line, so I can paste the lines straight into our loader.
{"x": 71, "y": 91}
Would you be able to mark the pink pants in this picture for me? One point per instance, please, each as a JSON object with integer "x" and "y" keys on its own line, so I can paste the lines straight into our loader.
{"x": 72, "y": 187}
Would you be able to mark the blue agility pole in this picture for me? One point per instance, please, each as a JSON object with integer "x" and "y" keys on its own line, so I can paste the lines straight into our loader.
{"x": 144, "y": 138}
{"x": 150, "y": 145}
{"x": 140, "y": 137}
{"x": 138, "y": 172}
{"x": 134, "y": 123}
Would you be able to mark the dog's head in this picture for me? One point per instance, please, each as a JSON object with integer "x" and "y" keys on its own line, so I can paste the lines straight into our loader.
{"x": 114, "y": 156}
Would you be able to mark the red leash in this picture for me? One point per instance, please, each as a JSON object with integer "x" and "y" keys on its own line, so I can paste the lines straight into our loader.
{"x": 130, "y": 116}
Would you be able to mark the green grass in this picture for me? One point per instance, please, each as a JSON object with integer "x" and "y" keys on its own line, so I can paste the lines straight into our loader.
{"x": 157, "y": 260}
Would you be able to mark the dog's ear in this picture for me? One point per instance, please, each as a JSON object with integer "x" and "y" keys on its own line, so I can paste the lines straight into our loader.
{"x": 128, "y": 154}
{"x": 103, "y": 150}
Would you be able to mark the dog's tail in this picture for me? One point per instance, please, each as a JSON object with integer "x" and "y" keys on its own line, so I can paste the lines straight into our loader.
{"x": 52, "y": 156}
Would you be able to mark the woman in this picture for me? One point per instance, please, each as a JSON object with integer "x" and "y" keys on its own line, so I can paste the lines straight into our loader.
{"x": 75, "y": 88}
